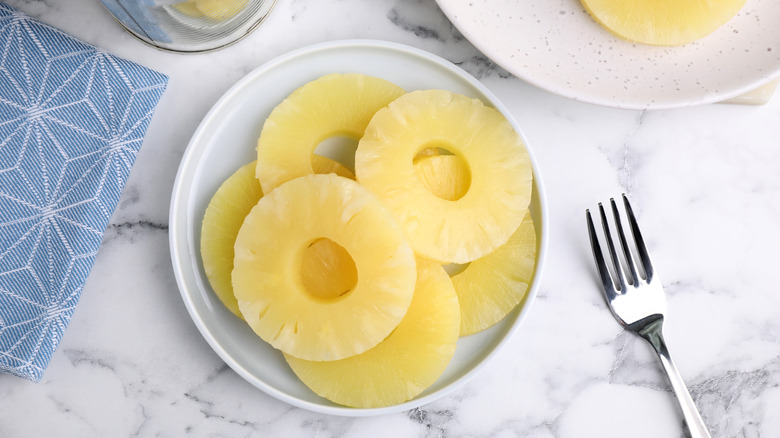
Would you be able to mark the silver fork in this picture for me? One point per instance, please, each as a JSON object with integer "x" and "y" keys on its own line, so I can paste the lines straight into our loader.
{"x": 639, "y": 303}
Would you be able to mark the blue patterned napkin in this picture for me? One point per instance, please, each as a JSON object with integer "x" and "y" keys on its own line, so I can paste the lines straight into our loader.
{"x": 72, "y": 119}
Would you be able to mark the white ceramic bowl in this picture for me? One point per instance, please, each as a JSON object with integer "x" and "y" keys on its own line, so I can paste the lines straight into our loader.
{"x": 226, "y": 139}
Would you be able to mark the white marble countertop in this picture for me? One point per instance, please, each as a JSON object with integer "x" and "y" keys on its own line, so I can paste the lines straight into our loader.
{"x": 705, "y": 182}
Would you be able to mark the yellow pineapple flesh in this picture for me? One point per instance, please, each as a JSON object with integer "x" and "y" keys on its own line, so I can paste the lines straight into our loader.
{"x": 409, "y": 360}
{"x": 446, "y": 176}
{"x": 327, "y": 269}
{"x": 335, "y": 105}
{"x": 188, "y": 8}
{"x": 220, "y": 9}
{"x": 223, "y": 218}
{"x": 269, "y": 251}
{"x": 490, "y": 287}
{"x": 499, "y": 192}
{"x": 662, "y": 22}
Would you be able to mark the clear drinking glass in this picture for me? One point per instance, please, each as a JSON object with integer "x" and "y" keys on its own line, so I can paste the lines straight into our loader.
{"x": 191, "y": 25}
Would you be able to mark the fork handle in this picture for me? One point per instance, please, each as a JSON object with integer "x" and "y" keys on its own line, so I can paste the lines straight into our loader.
{"x": 653, "y": 333}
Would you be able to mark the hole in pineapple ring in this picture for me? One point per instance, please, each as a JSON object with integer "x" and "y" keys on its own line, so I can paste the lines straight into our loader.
{"x": 339, "y": 148}
{"x": 443, "y": 173}
{"x": 327, "y": 270}
{"x": 454, "y": 269}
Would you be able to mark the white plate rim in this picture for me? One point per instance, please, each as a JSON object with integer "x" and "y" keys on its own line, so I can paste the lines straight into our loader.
{"x": 493, "y": 51}
{"x": 181, "y": 245}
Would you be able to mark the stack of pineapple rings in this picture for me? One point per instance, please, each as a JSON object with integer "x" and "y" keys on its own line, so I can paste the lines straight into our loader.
{"x": 346, "y": 274}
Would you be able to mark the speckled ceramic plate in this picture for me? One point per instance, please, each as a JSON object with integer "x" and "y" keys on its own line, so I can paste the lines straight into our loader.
{"x": 225, "y": 140}
{"x": 556, "y": 46}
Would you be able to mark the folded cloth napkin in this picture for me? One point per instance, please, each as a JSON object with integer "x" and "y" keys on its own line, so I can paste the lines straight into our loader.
{"x": 72, "y": 119}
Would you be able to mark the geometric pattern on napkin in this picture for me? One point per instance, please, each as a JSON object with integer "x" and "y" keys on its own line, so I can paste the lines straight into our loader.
{"x": 72, "y": 119}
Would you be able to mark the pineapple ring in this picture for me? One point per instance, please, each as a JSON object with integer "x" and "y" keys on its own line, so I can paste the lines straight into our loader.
{"x": 268, "y": 256}
{"x": 490, "y": 287}
{"x": 500, "y": 190}
{"x": 333, "y": 105}
{"x": 663, "y": 23}
{"x": 224, "y": 215}
{"x": 412, "y": 357}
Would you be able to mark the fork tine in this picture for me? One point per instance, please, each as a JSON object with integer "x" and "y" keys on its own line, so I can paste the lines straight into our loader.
{"x": 598, "y": 256}
{"x": 623, "y": 243}
{"x": 612, "y": 253}
{"x": 640, "y": 243}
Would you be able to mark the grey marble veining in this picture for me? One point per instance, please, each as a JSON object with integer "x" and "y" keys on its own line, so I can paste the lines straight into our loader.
{"x": 704, "y": 181}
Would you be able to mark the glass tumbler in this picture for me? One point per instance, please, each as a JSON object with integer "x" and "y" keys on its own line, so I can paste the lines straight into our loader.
{"x": 191, "y": 25}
